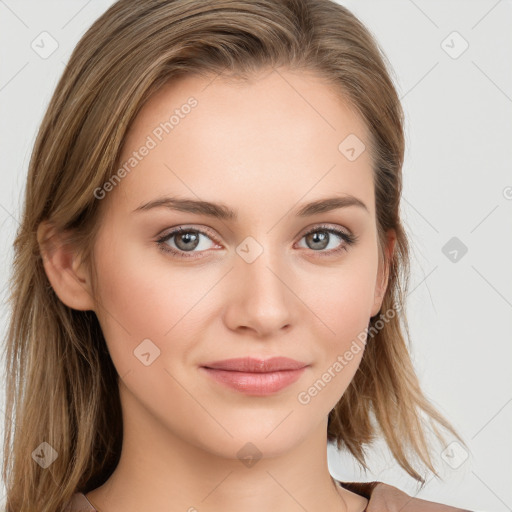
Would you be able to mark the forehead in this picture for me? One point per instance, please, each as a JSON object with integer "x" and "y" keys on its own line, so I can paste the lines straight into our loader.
{"x": 280, "y": 131}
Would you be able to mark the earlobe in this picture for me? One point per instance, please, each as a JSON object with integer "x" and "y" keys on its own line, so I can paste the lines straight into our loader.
{"x": 383, "y": 274}
{"x": 63, "y": 268}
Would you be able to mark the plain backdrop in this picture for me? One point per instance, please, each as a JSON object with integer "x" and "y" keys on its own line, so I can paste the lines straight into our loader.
{"x": 451, "y": 61}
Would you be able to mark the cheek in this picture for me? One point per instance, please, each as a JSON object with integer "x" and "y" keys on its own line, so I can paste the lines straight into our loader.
{"x": 140, "y": 298}
{"x": 341, "y": 299}
{"x": 342, "y": 304}
{"x": 340, "y": 349}
{"x": 346, "y": 304}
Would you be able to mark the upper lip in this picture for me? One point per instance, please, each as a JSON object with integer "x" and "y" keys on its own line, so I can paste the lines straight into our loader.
{"x": 256, "y": 365}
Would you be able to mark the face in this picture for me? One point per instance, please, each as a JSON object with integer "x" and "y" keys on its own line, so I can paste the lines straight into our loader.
{"x": 261, "y": 282}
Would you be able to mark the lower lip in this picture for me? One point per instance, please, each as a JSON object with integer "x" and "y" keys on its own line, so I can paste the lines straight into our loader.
{"x": 259, "y": 384}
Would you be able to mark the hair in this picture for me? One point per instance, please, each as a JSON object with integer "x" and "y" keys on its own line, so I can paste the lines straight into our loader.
{"x": 62, "y": 386}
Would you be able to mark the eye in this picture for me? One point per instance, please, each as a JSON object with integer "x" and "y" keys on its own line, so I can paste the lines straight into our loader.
{"x": 320, "y": 237}
{"x": 186, "y": 240}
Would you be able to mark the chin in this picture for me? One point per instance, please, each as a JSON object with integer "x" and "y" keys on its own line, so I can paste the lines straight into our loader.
{"x": 251, "y": 441}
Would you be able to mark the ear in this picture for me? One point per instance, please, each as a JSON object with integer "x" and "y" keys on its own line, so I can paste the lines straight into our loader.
{"x": 64, "y": 269}
{"x": 383, "y": 273}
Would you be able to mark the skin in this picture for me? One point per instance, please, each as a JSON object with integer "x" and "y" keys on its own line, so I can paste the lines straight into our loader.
{"x": 263, "y": 148}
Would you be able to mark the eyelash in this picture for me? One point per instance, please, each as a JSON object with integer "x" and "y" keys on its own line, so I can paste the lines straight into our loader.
{"x": 348, "y": 238}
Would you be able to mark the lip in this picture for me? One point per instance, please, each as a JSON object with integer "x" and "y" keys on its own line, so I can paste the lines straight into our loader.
{"x": 253, "y": 376}
{"x": 256, "y": 365}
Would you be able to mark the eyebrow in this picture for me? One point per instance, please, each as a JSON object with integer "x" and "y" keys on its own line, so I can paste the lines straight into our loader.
{"x": 223, "y": 212}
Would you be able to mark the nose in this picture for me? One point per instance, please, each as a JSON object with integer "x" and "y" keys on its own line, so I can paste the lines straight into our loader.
{"x": 260, "y": 296}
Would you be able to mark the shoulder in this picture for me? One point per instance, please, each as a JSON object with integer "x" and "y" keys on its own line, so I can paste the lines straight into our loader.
{"x": 79, "y": 503}
{"x": 391, "y": 499}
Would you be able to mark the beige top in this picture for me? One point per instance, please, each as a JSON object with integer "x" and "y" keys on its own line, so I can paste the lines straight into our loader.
{"x": 382, "y": 498}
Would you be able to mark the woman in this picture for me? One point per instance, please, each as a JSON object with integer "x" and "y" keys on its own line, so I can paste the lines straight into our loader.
{"x": 147, "y": 375}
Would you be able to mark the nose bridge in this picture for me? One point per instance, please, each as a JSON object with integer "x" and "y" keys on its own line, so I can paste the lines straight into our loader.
{"x": 262, "y": 288}
{"x": 262, "y": 265}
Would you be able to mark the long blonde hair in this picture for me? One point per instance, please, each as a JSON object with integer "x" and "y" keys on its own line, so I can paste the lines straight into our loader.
{"x": 61, "y": 382}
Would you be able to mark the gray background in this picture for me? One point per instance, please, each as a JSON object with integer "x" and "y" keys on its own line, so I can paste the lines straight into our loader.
{"x": 458, "y": 194}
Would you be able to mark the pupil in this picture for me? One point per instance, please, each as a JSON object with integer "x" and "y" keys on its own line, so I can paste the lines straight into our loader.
{"x": 319, "y": 237}
{"x": 184, "y": 240}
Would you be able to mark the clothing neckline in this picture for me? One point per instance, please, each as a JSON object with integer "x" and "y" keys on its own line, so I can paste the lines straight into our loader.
{"x": 355, "y": 487}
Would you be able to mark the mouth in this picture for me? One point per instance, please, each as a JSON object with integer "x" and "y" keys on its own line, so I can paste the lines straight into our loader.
{"x": 256, "y": 365}
{"x": 257, "y": 377}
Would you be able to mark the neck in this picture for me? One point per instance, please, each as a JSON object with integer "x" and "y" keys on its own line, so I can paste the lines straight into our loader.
{"x": 163, "y": 472}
